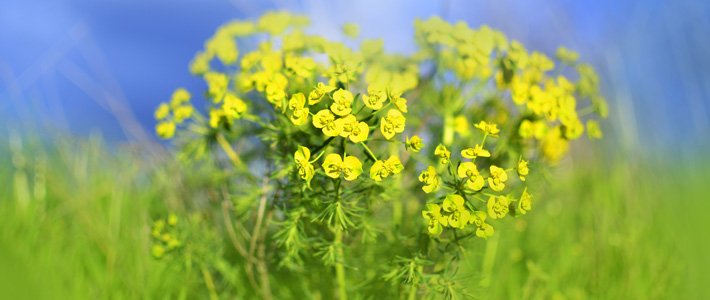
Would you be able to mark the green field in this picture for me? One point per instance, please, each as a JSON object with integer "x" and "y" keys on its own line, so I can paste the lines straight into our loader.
{"x": 75, "y": 223}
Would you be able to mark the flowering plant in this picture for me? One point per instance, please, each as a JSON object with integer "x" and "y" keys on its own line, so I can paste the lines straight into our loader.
{"x": 368, "y": 164}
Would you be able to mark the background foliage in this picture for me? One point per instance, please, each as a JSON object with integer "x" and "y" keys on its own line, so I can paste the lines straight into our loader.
{"x": 624, "y": 219}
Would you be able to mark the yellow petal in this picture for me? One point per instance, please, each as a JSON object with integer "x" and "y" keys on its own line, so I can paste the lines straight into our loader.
{"x": 375, "y": 170}
{"x": 352, "y": 168}
{"x": 333, "y": 165}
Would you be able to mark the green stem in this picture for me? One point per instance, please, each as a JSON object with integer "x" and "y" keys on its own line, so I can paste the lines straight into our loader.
{"x": 339, "y": 268}
{"x": 585, "y": 111}
{"x": 489, "y": 257}
{"x": 210, "y": 284}
{"x": 317, "y": 157}
{"x": 322, "y": 146}
{"x": 228, "y": 149}
{"x": 414, "y": 288}
{"x": 448, "y": 129}
{"x": 389, "y": 141}
{"x": 369, "y": 151}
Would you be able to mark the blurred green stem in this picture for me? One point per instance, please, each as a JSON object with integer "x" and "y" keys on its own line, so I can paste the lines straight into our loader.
{"x": 489, "y": 257}
{"x": 448, "y": 128}
{"x": 339, "y": 268}
{"x": 210, "y": 284}
{"x": 228, "y": 149}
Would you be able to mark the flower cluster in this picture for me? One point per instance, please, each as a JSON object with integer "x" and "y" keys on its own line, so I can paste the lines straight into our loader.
{"x": 468, "y": 182}
{"x": 171, "y": 114}
{"x": 341, "y": 134}
{"x": 164, "y": 236}
{"x": 532, "y": 80}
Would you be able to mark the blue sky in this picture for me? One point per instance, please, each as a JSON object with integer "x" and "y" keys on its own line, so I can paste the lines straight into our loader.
{"x": 74, "y": 65}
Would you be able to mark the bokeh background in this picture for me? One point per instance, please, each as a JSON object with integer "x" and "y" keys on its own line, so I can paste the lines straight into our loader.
{"x": 635, "y": 207}
{"x": 77, "y": 66}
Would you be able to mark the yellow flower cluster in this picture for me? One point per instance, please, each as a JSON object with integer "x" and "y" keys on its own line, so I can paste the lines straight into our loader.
{"x": 173, "y": 113}
{"x": 549, "y": 102}
{"x": 164, "y": 236}
{"x": 453, "y": 213}
{"x": 465, "y": 51}
{"x": 469, "y": 183}
{"x": 356, "y": 98}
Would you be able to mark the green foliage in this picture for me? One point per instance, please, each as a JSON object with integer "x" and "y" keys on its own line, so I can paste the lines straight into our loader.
{"x": 277, "y": 191}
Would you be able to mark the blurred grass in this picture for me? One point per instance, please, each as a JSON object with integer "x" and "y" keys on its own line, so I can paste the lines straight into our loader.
{"x": 611, "y": 228}
{"x": 623, "y": 229}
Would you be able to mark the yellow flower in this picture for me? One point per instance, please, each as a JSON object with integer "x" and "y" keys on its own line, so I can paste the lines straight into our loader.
{"x": 458, "y": 216}
{"x": 526, "y": 129}
{"x": 498, "y": 206}
{"x": 398, "y": 101}
{"x": 371, "y": 48}
{"x": 554, "y": 146}
{"x": 162, "y": 112}
{"x": 380, "y": 169}
{"x": 430, "y": 180}
{"x": 297, "y": 101}
{"x": 522, "y": 168}
{"x": 158, "y": 251}
{"x": 223, "y": 46}
{"x": 317, "y": 94}
{"x": 376, "y": 97}
{"x": 484, "y": 230}
{"x": 172, "y": 219}
{"x": 442, "y": 152}
{"x": 469, "y": 172}
{"x": 297, "y": 110}
{"x": 497, "y": 179}
{"x": 415, "y": 143}
{"x": 349, "y": 122}
{"x": 216, "y": 117}
{"x": 173, "y": 243}
{"x": 334, "y": 165}
{"x": 475, "y": 152}
{"x": 299, "y": 66}
{"x": 540, "y": 129}
{"x": 488, "y": 128}
{"x": 325, "y": 120}
{"x": 356, "y": 131}
{"x": 275, "y": 93}
{"x": 342, "y": 102}
{"x": 179, "y": 97}
{"x": 359, "y": 132}
{"x": 217, "y": 84}
{"x": 200, "y": 63}
{"x": 566, "y": 56}
{"x": 274, "y": 22}
{"x": 433, "y": 214}
{"x": 233, "y": 107}
{"x": 593, "y": 130}
{"x": 182, "y": 112}
{"x": 351, "y": 30}
{"x": 165, "y": 129}
{"x": 461, "y": 126}
{"x": 393, "y": 123}
{"x": 524, "y": 204}
{"x": 305, "y": 168}
{"x": 573, "y": 130}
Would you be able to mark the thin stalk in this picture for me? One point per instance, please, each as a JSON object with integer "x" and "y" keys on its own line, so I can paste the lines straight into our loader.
{"x": 369, "y": 151}
{"x": 228, "y": 149}
{"x": 339, "y": 268}
{"x": 210, "y": 284}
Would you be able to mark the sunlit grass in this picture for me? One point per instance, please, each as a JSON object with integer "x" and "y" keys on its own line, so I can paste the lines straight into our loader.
{"x": 605, "y": 232}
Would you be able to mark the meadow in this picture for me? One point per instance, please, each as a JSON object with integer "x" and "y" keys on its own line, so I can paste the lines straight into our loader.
{"x": 75, "y": 221}
{"x": 312, "y": 167}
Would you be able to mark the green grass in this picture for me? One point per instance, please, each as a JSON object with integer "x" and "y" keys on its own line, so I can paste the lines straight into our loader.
{"x": 625, "y": 229}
